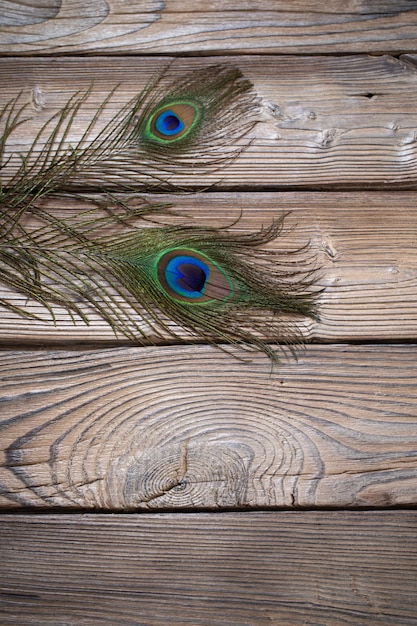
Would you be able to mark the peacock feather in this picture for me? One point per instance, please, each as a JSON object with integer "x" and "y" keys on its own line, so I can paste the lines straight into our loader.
{"x": 197, "y": 123}
{"x": 185, "y": 128}
{"x": 149, "y": 282}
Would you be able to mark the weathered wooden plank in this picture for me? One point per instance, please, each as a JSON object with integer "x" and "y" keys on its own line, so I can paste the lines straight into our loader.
{"x": 160, "y": 428}
{"x": 364, "y": 242}
{"x": 334, "y": 122}
{"x": 263, "y": 569}
{"x": 201, "y": 26}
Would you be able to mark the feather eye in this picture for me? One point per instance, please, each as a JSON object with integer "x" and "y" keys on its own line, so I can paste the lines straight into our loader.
{"x": 172, "y": 122}
{"x": 199, "y": 122}
{"x": 190, "y": 276}
{"x": 217, "y": 285}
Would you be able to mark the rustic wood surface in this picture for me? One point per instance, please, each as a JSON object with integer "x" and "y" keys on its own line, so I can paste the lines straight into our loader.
{"x": 235, "y": 569}
{"x": 364, "y": 244}
{"x": 326, "y": 122}
{"x": 192, "y": 428}
{"x": 89, "y": 424}
{"x": 201, "y": 26}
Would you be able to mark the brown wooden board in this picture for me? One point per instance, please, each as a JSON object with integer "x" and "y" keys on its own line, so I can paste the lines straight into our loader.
{"x": 205, "y": 27}
{"x": 268, "y": 569}
{"x": 364, "y": 243}
{"x": 193, "y": 428}
{"x": 326, "y": 122}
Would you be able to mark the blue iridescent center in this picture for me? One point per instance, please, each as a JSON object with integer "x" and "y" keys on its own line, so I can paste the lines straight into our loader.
{"x": 168, "y": 123}
{"x": 187, "y": 276}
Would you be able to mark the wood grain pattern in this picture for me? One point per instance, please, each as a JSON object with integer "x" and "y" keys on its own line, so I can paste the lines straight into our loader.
{"x": 268, "y": 569}
{"x": 364, "y": 242}
{"x": 327, "y": 122}
{"x": 202, "y": 26}
{"x": 62, "y": 25}
{"x": 193, "y": 428}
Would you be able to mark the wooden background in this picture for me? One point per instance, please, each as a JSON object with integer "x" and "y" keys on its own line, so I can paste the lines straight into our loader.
{"x": 172, "y": 484}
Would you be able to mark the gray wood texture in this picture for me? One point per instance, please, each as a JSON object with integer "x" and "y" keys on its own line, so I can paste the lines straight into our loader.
{"x": 191, "y": 428}
{"x": 326, "y": 122}
{"x": 236, "y": 569}
{"x": 205, "y": 27}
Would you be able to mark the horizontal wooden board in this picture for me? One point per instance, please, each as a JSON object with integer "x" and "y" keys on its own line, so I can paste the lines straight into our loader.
{"x": 364, "y": 242}
{"x": 263, "y": 569}
{"x": 202, "y": 26}
{"x": 326, "y": 122}
{"x": 170, "y": 428}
